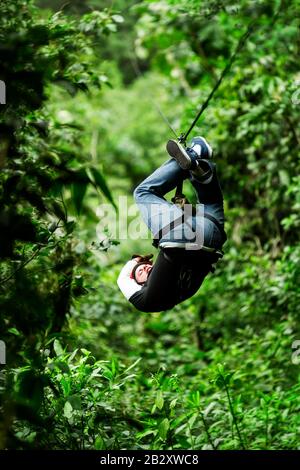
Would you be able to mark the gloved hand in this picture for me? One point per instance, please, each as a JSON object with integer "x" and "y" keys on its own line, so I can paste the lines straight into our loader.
{"x": 141, "y": 258}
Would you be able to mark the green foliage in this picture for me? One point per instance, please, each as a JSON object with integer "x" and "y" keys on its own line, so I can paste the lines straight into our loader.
{"x": 81, "y": 395}
{"x": 41, "y": 163}
{"x": 85, "y": 369}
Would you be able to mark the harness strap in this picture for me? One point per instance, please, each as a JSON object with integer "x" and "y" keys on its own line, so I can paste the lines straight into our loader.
{"x": 178, "y": 221}
{"x": 166, "y": 229}
{"x": 179, "y": 192}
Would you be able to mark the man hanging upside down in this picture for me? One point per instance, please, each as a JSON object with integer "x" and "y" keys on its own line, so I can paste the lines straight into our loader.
{"x": 189, "y": 242}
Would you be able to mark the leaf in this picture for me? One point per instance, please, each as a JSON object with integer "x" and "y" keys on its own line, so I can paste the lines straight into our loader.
{"x": 58, "y": 210}
{"x": 68, "y": 410}
{"x": 107, "y": 374}
{"x": 69, "y": 226}
{"x": 75, "y": 401}
{"x": 173, "y": 403}
{"x": 99, "y": 182}
{"x": 132, "y": 365}
{"x": 58, "y": 348}
{"x": 118, "y": 18}
{"x": 85, "y": 352}
{"x": 195, "y": 398}
{"x": 67, "y": 85}
{"x": 96, "y": 372}
{"x": 159, "y": 402}
{"x": 209, "y": 408}
{"x": 147, "y": 432}
{"x": 111, "y": 27}
{"x": 163, "y": 428}
{"x": 192, "y": 419}
{"x": 63, "y": 366}
{"x": 175, "y": 423}
{"x": 80, "y": 248}
{"x": 78, "y": 192}
{"x": 114, "y": 365}
{"x": 14, "y": 331}
{"x": 66, "y": 385}
{"x": 284, "y": 177}
{"x": 99, "y": 443}
{"x": 72, "y": 355}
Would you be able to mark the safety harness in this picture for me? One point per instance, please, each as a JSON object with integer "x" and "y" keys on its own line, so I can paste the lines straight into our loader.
{"x": 181, "y": 200}
{"x": 179, "y": 221}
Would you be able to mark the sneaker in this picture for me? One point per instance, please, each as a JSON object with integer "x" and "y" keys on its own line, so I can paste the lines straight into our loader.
{"x": 200, "y": 148}
{"x": 187, "y": 158}
{"x": 179, "y": 153}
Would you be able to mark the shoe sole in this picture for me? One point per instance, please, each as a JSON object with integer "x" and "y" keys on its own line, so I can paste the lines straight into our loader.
{"x": 176, "y": 151}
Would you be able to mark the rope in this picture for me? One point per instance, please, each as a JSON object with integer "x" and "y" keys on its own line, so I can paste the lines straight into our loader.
{"x": 183, "y": 137}
{"x": 225, "y": 71}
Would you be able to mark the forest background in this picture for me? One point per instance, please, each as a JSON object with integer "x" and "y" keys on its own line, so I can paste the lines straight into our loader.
{"x": 81, "y": 368}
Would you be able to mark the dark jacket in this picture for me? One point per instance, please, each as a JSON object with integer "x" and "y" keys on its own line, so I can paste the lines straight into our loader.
{"x": 177, "y": 274}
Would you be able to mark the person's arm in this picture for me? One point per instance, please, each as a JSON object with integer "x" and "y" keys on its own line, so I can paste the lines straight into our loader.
{"x": 159, "y": 293}
{"x": 127, "y": 285}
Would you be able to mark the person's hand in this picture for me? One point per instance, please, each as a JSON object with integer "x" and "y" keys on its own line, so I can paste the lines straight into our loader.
{"x": 139, "y": 258}
{"x": 136, "y": 258}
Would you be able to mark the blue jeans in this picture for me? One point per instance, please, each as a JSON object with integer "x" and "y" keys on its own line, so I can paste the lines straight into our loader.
{"x": 157, "y": 212}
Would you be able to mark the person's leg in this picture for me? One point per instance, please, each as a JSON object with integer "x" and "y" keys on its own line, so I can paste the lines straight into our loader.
{"x": 209, "y": 193}
{"x": 197, "y": 159}
{"x": 208, "y": 190}
{"x": 156, "y": 211}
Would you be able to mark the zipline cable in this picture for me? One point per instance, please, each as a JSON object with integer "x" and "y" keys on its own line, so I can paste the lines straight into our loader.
{"x": 225, "y": 71}
{"x": 183, "y": 137}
